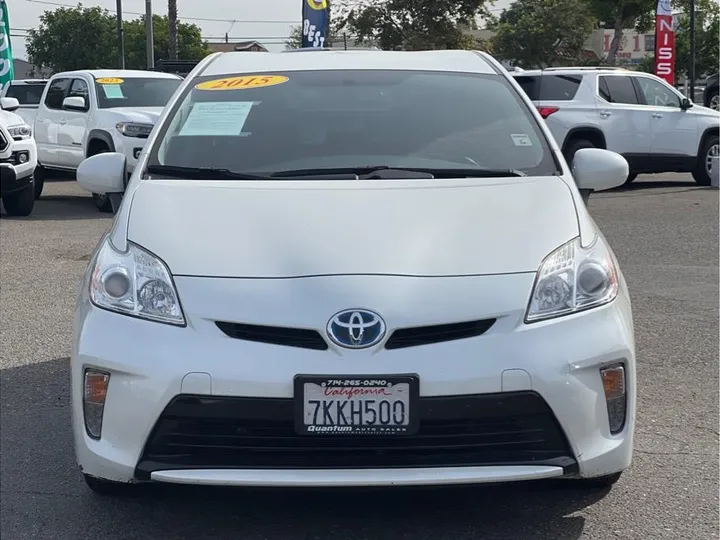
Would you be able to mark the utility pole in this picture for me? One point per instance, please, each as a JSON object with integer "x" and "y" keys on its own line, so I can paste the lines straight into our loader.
{"x": 692, "y": 51}
{"x": 121, "y": 34}
{"x": 149, "y": 34}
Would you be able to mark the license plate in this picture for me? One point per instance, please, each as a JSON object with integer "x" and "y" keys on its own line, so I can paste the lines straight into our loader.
{"x": 384, "y": 405}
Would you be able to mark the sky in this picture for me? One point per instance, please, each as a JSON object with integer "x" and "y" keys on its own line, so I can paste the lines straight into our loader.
{"x": 268, "y": 21}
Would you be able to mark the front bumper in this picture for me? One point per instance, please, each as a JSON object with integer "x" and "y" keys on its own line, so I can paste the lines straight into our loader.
{"x": 131, "y": 147}
{"x": 23, "y": 170}
{"x": 169, "y": 382}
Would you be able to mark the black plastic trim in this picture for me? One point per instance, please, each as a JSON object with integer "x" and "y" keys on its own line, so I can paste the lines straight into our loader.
{"x": 427, "y": 335}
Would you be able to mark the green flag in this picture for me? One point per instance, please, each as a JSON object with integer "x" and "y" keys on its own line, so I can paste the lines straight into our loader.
{"x": 6, "y": 58}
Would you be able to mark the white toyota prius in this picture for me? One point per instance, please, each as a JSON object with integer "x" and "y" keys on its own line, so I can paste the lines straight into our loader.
{"x": 352, "y": 268}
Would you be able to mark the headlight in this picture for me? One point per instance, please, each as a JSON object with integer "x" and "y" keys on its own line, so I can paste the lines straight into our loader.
{"x": 572, "y": 279}
{"x": 22, "y": 131}
{"x": 131, "y": 129}
{"x": 135, "y": 283}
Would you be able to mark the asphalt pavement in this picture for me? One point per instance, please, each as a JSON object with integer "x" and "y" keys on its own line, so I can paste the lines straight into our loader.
{"x": 664, "y": 230}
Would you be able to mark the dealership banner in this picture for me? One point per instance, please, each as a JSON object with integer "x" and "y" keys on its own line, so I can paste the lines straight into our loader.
{"x": 316, "y": 19}
{"x": 664, "y": 42}
{"x": 6, "y": 57}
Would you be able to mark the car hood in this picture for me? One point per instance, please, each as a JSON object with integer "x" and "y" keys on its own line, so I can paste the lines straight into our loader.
{"x": 142, "y": 115}
{"x": 10, "y": 119}
{"x": 288, "y": 229}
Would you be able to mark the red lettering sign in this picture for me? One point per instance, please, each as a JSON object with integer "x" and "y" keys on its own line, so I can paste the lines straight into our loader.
{"x": 664, "y": 43}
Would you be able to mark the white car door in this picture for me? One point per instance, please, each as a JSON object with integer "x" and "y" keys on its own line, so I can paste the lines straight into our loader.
{"x": 74, "y": 127}
{"x": 623, "y": 119}
{"x": 47, "y": 122}
{"x": 674, "y": 130}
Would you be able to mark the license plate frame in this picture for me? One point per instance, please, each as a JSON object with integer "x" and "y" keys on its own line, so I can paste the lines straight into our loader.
{"x": 375, "y": 430}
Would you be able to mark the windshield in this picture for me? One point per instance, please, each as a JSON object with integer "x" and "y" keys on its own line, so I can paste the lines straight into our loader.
{"x": 134, "y": 92}
{"x": 26, "y": 94}
{"x": 266, "y": 124}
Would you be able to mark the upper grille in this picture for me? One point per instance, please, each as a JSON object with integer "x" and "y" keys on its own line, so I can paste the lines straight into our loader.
{"x": 3, "y": 142}
{"x": 275, "y": 335}
{"x": 224, "y": 432}
{"x": 425, "y": 335}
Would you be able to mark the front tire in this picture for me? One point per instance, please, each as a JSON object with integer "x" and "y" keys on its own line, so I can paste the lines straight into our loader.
{"x": 39, "y": 176}
{"x": 101, "y": 201}
{"x": 631, "y": 178}
{"x": 710, "y": 151}
{"x": 20, "y": 203}
{"x": 107, "y": 487}
{"x": 714, "y": 101}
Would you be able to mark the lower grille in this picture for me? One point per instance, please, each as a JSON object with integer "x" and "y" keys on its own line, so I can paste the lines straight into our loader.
{"x": 251, "y": 433}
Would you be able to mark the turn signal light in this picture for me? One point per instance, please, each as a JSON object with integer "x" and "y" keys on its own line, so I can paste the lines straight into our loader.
{"x": 94, "y": 394}
{"x": 613, "y": 379}
{"x": 547, "y": 111}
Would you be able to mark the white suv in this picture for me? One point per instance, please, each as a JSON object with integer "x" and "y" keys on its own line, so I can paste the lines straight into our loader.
{"x": 83, "y": 113}
{"x": 635, "y": 114}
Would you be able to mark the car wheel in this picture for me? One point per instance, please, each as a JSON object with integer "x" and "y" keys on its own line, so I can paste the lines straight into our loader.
{"x": 714, "y": 101}
{"x": 573, "y": 147}
{"x": 39, "y": 176}
{"x": 631, "y": 177}
{"x": 20, "y": 203}
{"x": 599, "y": 482}
{"x": 101, "y": 201}
{"x": 710, "y": 151}
{"x": 108, "y": 487}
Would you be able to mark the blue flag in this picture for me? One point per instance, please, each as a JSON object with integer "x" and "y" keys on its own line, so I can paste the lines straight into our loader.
{"x": 315, "y": 23}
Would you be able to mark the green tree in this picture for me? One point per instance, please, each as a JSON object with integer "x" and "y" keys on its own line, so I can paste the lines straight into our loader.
{"x": 410, "y": 24}
{"x": 538, "y": 33}
{"x": 57, "y": 45}
{"x": 74, "y": 38}
{"x": 620, "y": 15}
{"x": 707, "y": 39}
{"x": 190, "y": 43}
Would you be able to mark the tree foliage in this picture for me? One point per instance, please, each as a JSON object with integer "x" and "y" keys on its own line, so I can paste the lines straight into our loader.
{"x": 86, "y": 38}
{"x": 538, "y": 33}
{"x": 619, "y": 15}
{"x": 410, "y": 24}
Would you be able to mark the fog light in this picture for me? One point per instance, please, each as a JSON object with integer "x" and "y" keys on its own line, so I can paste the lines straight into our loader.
{"x": 23, "y": 157}
{"x": 613, "y": 378}
{"x": 137, "y": 152}
{"x": 94, "y": 394}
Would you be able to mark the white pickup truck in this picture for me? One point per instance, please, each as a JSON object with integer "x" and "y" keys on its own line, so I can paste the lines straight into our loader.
{"x": 83, "y": 113}
{"x": 28, "y": 93}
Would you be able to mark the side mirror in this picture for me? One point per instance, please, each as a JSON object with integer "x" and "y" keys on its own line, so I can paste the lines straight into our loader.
{"x": 9, "y": 104}
{"x": 595, "y": 169}
{"x": 103, "y": 173}
{"x": 74, "y": 103}
{"x": 686, "y": 104}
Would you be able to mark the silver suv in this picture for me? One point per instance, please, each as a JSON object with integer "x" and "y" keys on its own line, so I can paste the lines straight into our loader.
{"x": 638, "y": 115}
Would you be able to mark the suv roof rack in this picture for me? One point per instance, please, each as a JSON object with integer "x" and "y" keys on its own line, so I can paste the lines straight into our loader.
{"x": 585, "y": 68}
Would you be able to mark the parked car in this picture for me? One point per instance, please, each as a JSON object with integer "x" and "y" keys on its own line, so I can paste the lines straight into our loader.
{"x": 18, "y": 158}
{"x": 83, "y": 113}
{"x": 28, "y": 93}
{"x": 316, "y": 279}
{"x": 635, "y": 114}
{"x": 710, "y": 94}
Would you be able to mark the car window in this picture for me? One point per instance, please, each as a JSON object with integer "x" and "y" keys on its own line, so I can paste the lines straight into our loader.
{"x": 656, "y": 93}
{"x": 79, "y": 88}
{"x": 345, "y": 119}
{"x": 620, "y": 89}
{"x": 26, "y": 94}
{"x": 550, "y": 87}
{"x": 134, "y": 92}
{"x": 56, "y": 93}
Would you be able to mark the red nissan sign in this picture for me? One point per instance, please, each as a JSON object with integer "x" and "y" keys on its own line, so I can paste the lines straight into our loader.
{"x": 664, "y": 42}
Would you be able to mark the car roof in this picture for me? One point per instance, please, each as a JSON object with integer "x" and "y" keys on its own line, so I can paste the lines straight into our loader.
{"x": 28, "y": 81}
{"x": 569, "y": 70}
{"x": 119, "y": 73}
{"x": 443, "y": 60}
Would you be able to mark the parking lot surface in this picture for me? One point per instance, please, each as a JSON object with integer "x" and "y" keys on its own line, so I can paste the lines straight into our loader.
{"x": 664, "y": 231}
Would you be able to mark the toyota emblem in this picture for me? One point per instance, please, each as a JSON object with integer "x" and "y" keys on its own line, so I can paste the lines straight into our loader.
{"x": 356, "y": 328}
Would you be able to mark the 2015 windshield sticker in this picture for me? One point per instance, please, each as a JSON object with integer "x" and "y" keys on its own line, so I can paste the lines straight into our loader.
{"x": 521, "y": 139}
{"x": 109, "y": 80}
{"x": 242, "y": 83}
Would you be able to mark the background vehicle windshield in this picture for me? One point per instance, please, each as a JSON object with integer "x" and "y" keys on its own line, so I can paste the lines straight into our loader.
{"x": 135, "y": 92}
{"x": 26, "y": 94}
{"x": 262, "y": 123}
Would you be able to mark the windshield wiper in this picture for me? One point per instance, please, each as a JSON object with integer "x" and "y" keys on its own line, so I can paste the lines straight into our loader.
{"x": 201, "y": 173}
{"x": 385, "y": 171}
